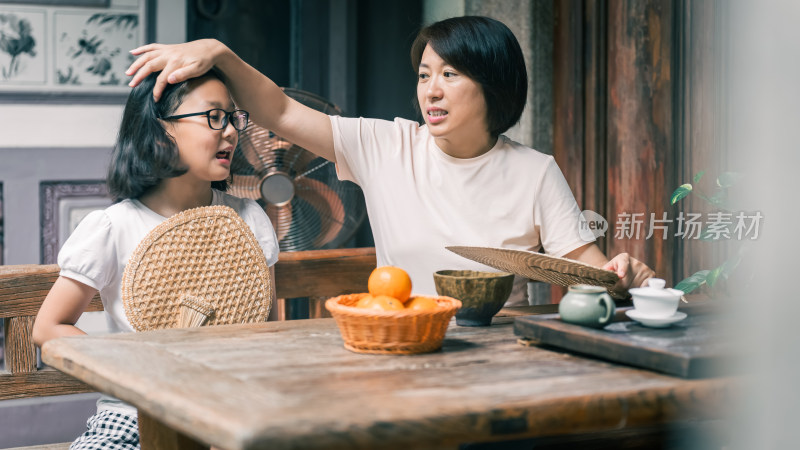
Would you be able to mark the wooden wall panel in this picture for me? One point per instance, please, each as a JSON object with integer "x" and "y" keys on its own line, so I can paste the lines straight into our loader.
{"x": 640, "y": 123}
{"x": 639, "y": 109}
{"x": 595, "y": 98}
{"x": 580, "y": 98}
{"x": 700, "y": 114}
{"x": 569, "y": 101}
{"x": 568, "y": 128}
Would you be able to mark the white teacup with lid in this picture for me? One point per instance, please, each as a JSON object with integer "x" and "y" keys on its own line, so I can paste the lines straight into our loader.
{"x": 656, "y": 301}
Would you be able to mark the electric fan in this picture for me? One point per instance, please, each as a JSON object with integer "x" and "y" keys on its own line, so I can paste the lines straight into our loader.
{"x": 310, "y": 208}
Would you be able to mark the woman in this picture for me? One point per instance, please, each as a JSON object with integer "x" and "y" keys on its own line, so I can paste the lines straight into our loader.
{"x": 454, "y": 181}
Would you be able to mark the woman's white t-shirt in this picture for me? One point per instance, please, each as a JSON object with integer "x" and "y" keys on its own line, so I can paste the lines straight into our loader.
{"x": 421, "y": 200}
{"x": 97, "y": 251}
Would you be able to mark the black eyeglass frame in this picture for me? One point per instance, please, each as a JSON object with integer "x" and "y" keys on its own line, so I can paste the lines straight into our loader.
{"x": 228, "y": 118}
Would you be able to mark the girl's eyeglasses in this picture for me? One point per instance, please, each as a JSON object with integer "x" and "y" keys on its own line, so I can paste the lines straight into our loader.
{"x": 218, "y": 118}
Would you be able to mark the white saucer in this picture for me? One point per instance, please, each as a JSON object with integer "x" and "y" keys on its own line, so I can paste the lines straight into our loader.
{"x": 655, "y": 322}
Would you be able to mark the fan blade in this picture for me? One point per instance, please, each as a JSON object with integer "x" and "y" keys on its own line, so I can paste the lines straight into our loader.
{"x": 298, "y": 160}
{"x": 262, "y": 148}
{"x": 327, "y": 204}
{"x": 240, "y": 164}
{"x": 270, "y": 150}
{"x": 281, "y": 218}
{"x": 246, "y": 186}
{"x": 305, "y": 163}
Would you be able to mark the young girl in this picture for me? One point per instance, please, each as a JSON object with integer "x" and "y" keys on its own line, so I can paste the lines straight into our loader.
{"x": 455, "y": 180}
{"x": 169, "y": 157}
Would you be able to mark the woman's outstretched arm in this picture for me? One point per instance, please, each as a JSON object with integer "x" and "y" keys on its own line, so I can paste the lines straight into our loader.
{"x": 254, "y": 92}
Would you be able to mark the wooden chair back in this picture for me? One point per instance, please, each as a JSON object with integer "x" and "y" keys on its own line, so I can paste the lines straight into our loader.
{"x": 312, "y": 273}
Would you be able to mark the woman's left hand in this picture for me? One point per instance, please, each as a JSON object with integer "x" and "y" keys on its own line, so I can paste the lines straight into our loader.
{"x": 631, "y": 272}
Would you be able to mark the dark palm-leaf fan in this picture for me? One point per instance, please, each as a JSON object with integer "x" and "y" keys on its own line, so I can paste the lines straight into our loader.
{"x": 308, "y": 205}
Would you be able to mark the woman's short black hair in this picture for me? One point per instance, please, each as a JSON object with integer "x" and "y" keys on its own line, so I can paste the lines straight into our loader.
{"x": 485, "y": 50}
{"x": 145, "y": 154}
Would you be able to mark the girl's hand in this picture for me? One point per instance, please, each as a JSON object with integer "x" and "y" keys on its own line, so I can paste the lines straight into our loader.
{"x": 176, "y": 62}
{"x": 631, "y": 272}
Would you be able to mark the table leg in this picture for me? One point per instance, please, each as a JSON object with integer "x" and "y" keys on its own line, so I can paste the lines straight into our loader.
{"x": 154, "y": 435}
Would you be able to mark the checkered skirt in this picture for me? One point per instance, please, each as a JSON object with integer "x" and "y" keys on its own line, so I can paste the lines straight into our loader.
{"x": 109, "y": 430}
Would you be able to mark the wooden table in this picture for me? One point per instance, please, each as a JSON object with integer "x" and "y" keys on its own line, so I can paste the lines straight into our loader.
{"x": 293, "y": 385}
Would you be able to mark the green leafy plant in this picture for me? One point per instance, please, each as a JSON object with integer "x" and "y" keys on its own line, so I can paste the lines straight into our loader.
{"x": 720, "y": 200}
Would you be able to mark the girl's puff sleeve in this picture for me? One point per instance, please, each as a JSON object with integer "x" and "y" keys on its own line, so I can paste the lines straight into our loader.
{"x": 262, "y": 228}
{"x": 89, "y": 255}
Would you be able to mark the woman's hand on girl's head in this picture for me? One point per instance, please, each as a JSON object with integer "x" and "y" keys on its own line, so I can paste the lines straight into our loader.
{"x": 631, "y": 271}
{"x": 176, "y": 62}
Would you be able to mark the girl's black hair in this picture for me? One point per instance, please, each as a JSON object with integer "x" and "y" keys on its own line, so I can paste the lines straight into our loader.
{"x": 485, "y": 50}
{"x": 145, "y": 154}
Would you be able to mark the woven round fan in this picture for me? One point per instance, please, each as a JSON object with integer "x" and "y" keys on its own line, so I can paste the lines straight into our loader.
{"x": 541, "y": 267}
{"x": 202, "y": 266}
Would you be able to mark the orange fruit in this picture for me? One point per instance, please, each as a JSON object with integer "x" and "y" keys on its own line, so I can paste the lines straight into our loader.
{"x": 421, "y": 304}
{"x": 384, "y": 303}
{"x": 391, "y": 281}
{"x": 364, "y": 301}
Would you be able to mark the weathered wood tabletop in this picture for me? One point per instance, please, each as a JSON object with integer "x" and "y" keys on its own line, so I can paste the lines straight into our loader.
{"x": 293, "y": 385}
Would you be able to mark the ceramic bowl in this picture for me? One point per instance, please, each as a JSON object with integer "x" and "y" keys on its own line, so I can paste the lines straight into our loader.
{"x": 656, "y": 301}
{"x": 482, "y": 294}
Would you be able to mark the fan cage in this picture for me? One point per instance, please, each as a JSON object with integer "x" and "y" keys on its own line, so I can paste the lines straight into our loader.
{"x": 321, "y": 211}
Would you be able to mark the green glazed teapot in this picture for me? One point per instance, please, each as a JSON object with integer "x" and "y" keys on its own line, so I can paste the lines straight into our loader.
{"x": 587, "y": 305}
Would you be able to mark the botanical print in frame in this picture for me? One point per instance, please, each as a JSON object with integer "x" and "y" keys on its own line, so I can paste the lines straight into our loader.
{"x": 92, "y": 49}
{"x": 63, "y": 205}
{"x": 22, "y": 42}
{"x": 62, "y": 50}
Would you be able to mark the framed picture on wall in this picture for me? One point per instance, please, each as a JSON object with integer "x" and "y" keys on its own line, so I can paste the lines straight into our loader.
{"x": 70, "y": 48}
{"x": 63, "y": 205}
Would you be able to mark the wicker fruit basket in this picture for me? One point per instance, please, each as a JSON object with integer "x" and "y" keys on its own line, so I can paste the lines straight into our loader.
{"x": 391, "y": 332}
